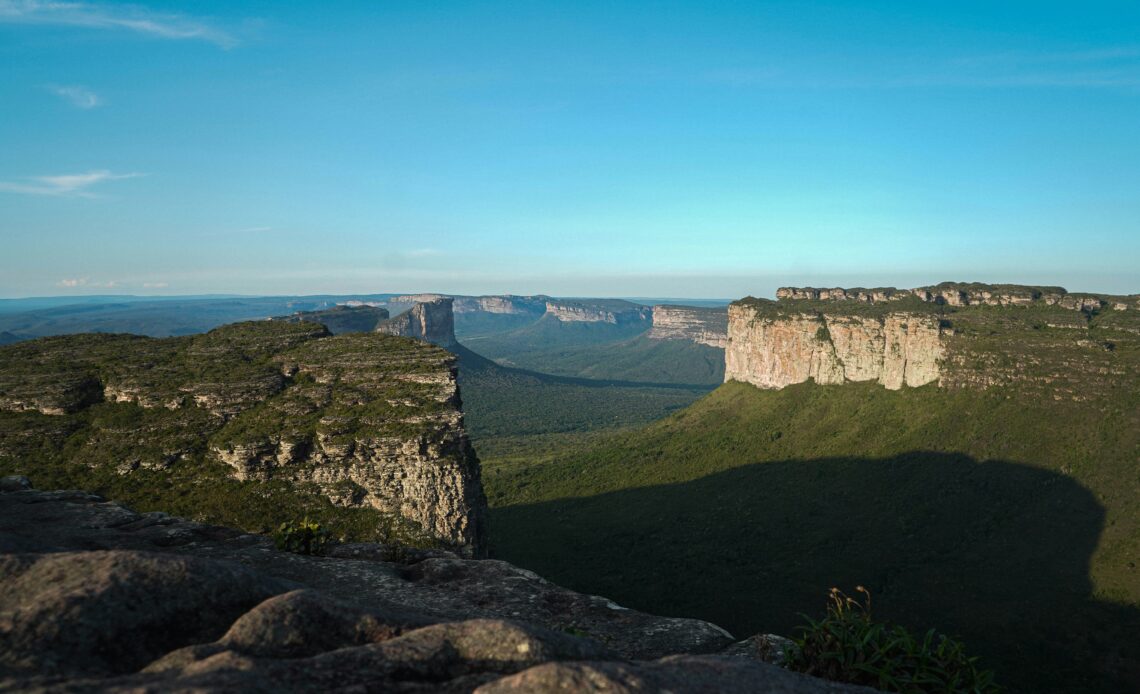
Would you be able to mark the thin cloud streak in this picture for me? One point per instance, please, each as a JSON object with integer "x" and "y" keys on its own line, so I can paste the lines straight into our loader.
{"x": 77, "y": 96}
{"x": 133, "y": 18}
{"x": 64, "y": 185}
{"x": 76, "y": 282}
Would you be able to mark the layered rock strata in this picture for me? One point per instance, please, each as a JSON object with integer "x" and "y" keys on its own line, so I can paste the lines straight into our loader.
{"x": 501, "y": 304}
{"x": 367, "y": 421}
{"x": 613, "y": 311}
{"x": 432, "y": 321}
{"x": 773, "y": 351}
{"x": 704, "y": 326}
{"x": 97, "y": 597}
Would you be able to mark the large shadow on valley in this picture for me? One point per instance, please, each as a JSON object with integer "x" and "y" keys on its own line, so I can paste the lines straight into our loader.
{"x": 996, "y": 553}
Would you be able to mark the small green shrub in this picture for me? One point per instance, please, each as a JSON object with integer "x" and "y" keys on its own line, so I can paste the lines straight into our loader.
{"x": 306, "y": 537}
{"x": 848, "y": 646}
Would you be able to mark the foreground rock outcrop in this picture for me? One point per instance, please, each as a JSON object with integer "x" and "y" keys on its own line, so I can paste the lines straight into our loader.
{"x": 94, "y": 596}
{"x": 278, "y": 419}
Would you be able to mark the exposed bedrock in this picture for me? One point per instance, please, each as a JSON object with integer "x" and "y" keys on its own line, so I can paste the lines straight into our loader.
{"x": 430, "y": 320}
{"x": 97, "y": 597}
{"x": 704, "y": 326}
{"x": 773, "y": 351}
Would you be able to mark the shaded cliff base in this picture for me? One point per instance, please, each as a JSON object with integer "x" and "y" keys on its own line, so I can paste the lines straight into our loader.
{"x": 1012, "y": 524}
{"x": 94, "y": 596}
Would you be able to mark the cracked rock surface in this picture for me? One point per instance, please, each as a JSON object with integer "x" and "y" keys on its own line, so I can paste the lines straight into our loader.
{"x": 94, "y": 596}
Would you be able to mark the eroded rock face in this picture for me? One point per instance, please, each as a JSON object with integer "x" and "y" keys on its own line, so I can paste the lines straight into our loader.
{"x": 432, "y": 321}
{"x": 500, "y": 304}
{"x": 369, "y": 421}
{"x": 704, "y": 326}
{"x": 94, "y": 596}
{"x": 773, "y": 351}
{"x": 601, "y": 311}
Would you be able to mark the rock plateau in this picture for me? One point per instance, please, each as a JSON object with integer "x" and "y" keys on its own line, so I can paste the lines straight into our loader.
{"x": 357, "y": 422}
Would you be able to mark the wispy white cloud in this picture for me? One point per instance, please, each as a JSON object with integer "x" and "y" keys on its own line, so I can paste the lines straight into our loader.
{"x": 80, "y": 97}
{"x": 155, "y": 285}
{"x": 134, "y": 18}
{"x": 254, "y": 230}
{"x": 76, "y": 282}
{"x": 64, "y": 185}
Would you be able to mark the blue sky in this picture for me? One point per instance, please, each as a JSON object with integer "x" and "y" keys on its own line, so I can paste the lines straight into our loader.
{"x": 705, "y": 149}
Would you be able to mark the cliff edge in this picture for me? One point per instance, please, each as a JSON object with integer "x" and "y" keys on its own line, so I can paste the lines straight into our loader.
{"x": 1042, "y": 340}
{"x": 253, "y": 424}
{"x": 96, "y": 596}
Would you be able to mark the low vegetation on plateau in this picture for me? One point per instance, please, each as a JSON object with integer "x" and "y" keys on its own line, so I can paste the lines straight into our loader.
{"x": 162, "y": 423}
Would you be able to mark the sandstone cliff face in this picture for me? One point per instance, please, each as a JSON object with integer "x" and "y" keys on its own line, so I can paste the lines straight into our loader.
{"x": 500, "y": 304}
{"x": 704, "y": 326}
{"x": 773, "y": 351}
{"x": 367, "y": 421}
{"x": 432, "y": 321}
{"x": 602, "y": 311}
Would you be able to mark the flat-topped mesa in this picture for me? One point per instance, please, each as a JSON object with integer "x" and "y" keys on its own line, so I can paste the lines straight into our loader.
{"x": 506, "y": 304}
{"x": 704, "y": 326}
{"x": 614, "y": 311}
{"x": 432, "y": 321}
{"x": 773, "y": 350}
{"x": 364, "y": 421}
{"x": 358, "y": 318}
{"x": 966, "y": 294}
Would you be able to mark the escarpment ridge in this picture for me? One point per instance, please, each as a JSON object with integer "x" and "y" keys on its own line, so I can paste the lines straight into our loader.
{"x": 1042, "y": 340}
{"x": 967, "y": 294}
{"x": 615, "y": 311}
{"x": 704, "y": 326}
{"x": 259, "y": 422}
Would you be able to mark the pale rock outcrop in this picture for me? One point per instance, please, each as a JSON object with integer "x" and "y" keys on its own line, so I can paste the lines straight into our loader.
{"x": 432, "y": 321}
{"x": 704, "y": 326}
{"x": 602, "y": 311}
{"x": 772, "y": 350}
{"x": 500, "y": 304}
